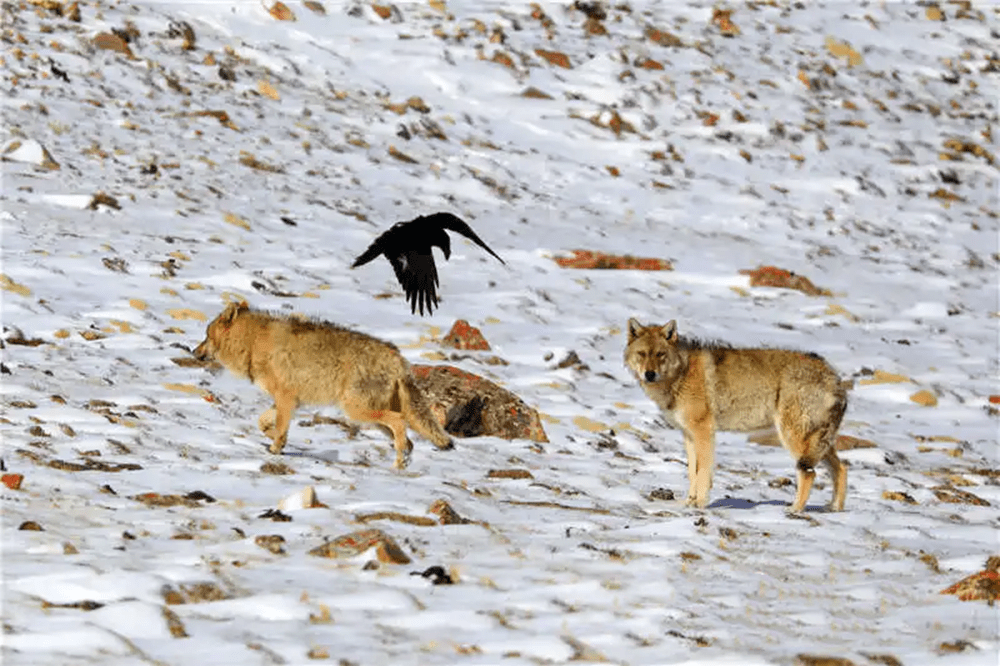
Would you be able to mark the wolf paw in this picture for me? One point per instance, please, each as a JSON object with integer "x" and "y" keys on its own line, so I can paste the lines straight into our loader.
{"x": 277, "y": 446}
{"x": 402, "y": 460}
{"x": 696, "y": 502}
{"x": 403, "y": 457}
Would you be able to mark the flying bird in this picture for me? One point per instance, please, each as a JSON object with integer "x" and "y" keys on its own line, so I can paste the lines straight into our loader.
{"x": 407, "y": 246}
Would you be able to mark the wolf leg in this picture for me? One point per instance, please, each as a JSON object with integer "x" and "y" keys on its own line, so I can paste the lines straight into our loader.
{"x": 838, "y": 471}
{"x": 284, "y": 405}
{"x": 389, "y": 419}
{"x": 703, "y": 443}
{"x": 806, "y": 475}
{"x": 692, "y": 464}
{"x": 267, "y": 420}
{"x": 804, "y": 446}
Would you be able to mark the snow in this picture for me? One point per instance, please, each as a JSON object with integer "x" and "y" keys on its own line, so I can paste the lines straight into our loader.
{"x": 578, "y": 563}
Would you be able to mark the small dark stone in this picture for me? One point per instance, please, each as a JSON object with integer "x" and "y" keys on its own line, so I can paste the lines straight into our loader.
{"x": 661, "y": 494}
{"x": 436, "y": 574}
{"x": 200, "y": 495}
{"x": 276, "y": 515}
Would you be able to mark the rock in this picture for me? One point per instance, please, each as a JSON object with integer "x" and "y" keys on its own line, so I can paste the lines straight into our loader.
{"x": 436, "y": 574}
{"x": 925, "y": 398}
{"x": 102, "y": 199}
{"x": 174, "y": 623}
{"x": 572, "y": 360}
{"x": 194, "y": 593}
{"x": 814, "y": 660}
{"x": 388, "y": 13}
{"x": 663, "y": 494}
{"x": 982, "y": 586}
{"x": 951, "y": 495}
{"x": 898, "y": 496}
{"x": 593, "y": 27}
{"x": 271, "y": 542}
{"x": 602, "y": 260}
{"x": 422, "y": 521}
{"x": 554, "y": 58}
{"x": 509, "y": 474}
{"x": 844, "y": 50}
{"x": 276, "y": 468}
{"x": 771, "y": 276}
{"x": 355, "y": 543}
{"x": 503, "y": 59}
{"x": 663, "y": 38}
{"x": 303, "y": 499}
{"x": 446, "y": 515}
{"x": 722, "y": 19}
{"x": 534, "y": 93}
{"x": 617, "y": 124}
{"x": 466, "y": 420}
{"x": 465, "y": 336}
{"x": 401, "y": 156}
{"x": 649, "y": 63}
{"x": 504, "y": 414}
{"x": 156, "y": 499}
{"x": 276, "y": 516}
{"x": 13, "y": 481}
{"x": 883, "y": 377}
{"x": 31, "y": 152}
{"x": 111, "y": 42}
{"x": 281, "y": 12}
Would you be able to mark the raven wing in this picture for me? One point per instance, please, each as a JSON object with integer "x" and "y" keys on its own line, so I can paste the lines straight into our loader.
{"x": 379, "y": 246}
{"x": 458, "y": 225}
{"x": 418, "y": 277}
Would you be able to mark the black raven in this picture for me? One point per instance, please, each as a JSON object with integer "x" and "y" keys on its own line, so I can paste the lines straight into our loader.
{"x": 407, "y": 246}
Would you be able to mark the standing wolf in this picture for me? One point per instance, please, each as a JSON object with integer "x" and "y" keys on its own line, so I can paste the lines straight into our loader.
{"x": 309, "y": 362}
{"x": 702, "y": 388}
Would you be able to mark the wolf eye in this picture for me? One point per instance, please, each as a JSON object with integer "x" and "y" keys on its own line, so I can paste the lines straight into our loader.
{"x": 661, "y": 355}
{"x": 641, "y": 354}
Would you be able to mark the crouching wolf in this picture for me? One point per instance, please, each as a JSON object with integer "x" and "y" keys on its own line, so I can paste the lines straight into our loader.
{"x": 704, "y": 387}
{"x": 310, "y": 362}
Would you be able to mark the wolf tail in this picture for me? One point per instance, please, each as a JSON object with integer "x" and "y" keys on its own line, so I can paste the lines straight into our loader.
{"x": 824, "y": 437}
{"x": 418, "y": 415}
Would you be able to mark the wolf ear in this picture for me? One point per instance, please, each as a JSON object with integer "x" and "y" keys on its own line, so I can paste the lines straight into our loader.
{"x": 634, "y": 328}
{"x": 232, "y": 310}
{"x": 670, "y": 330}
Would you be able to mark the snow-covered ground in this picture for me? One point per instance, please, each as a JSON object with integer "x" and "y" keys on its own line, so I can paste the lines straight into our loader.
{"x": 239, "y": 155}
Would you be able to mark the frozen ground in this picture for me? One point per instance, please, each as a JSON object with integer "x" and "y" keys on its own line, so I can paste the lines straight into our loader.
{"x": 853, "y": 143}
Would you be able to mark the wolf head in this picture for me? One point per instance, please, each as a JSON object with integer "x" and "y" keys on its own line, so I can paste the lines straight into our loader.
{"x": 217, "y": 329}
{"x": 652, "y": 354}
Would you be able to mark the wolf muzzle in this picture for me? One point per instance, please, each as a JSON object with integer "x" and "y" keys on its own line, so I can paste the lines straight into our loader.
{"x": 201, "y": 352}
{"x": 650, "y": 375}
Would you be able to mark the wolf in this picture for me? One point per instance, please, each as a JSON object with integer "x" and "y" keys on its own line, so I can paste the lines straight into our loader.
{"x": 704, "y": 387}
{"x": 301, "y": 361}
